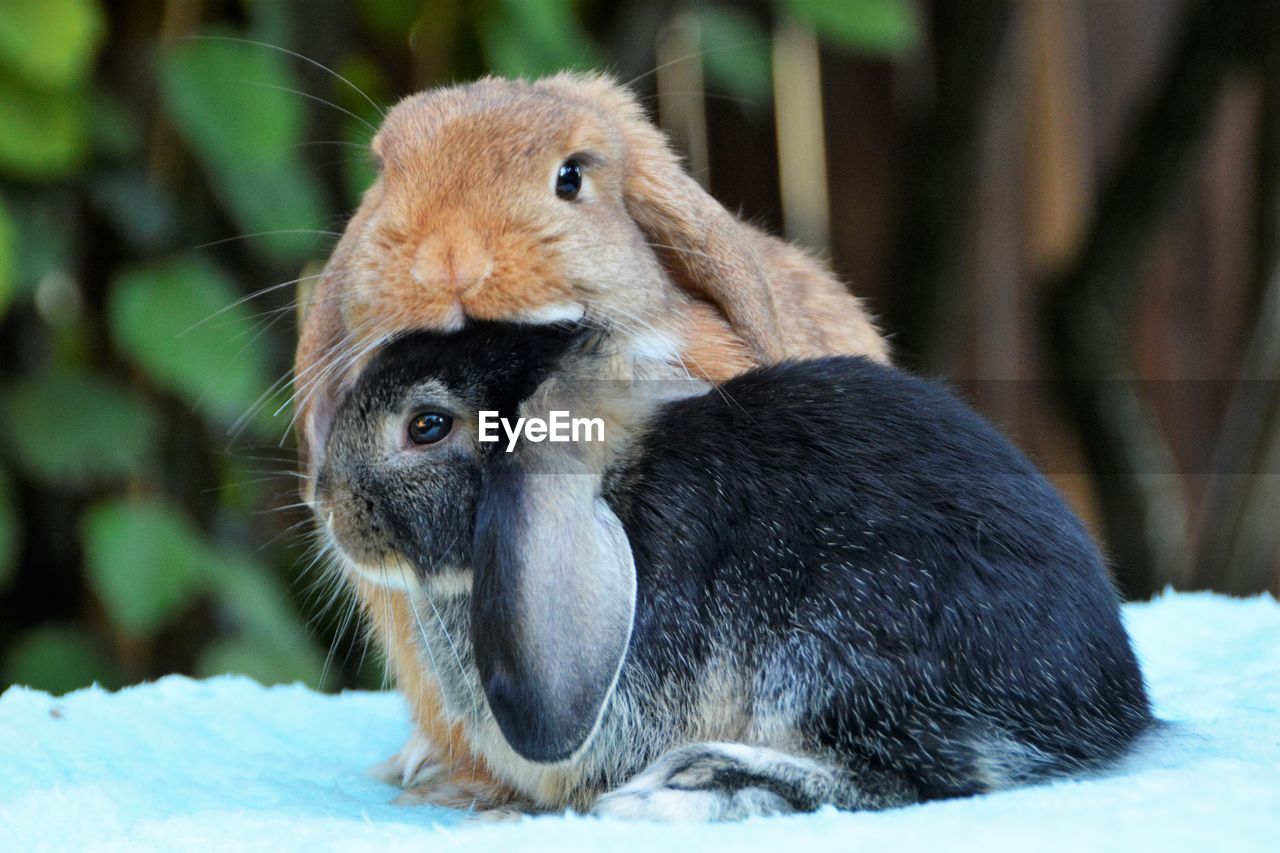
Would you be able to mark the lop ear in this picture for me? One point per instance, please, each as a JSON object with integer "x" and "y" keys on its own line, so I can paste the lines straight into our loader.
{"x": 553, "y": 601}
{"x": 705, "y": 249}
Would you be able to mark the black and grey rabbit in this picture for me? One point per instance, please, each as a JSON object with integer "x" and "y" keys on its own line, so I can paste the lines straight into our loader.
{"x": 823, "y": 582}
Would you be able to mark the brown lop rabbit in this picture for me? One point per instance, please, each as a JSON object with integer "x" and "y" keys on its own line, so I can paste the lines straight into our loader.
{"x": 542, "y": 202}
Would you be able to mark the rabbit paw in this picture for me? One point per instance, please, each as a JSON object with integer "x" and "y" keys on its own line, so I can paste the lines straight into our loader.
{"x": 426, "y": 780}
{"x": 483, "y": 800}
{"x": 414, "y": 764}
{"x": 721, "y": 781}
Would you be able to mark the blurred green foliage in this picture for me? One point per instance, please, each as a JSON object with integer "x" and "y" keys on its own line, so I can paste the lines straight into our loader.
{"x": 167, "y": 171}
{"x": 248, "y": 145}
{"x": 535, "y": 39}
{"x": 76, "y": 453}
{"x": 183, "y": 323}
{"x": 46, "y": 55}
{"x": 52, "y": 43}
{"x": 8, "y": 250}
{"x": 874, "y": 26}
{"x": 8, "y": 532}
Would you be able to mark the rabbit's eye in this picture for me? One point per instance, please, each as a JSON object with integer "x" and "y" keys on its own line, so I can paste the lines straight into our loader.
{"x": 429, "y": 427}
{"x": 569, "y": 179}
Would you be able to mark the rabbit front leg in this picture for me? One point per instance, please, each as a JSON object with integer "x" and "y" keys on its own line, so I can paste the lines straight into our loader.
{"x": 415, "y": 763}
{"x": 731, "y": 781}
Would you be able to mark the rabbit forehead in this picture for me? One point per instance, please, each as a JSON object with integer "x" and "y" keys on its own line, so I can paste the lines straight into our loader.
{"x": 484, "y": 364}
{"x": 492, "y": 122}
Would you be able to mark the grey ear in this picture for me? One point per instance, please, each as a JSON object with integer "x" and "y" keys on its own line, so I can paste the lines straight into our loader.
{"x": 553, "y": 602}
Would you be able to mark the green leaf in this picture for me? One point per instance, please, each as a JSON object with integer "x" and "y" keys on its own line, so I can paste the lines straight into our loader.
{"x": 180, "y": 323}
{"x": 367, "y": 91}
{"x": 47, "y": 244}
{"x": 368, "y": 83}
{"x": 278, "y": 205}
{"x": 533, "y": 38}
{"x": 10, "y": 531}
{"x": 735, "y": 52}
{"x": 8, "y": 258}
{"x": 143, "y": 211}
{"x": 390, "y": 18}
{"x": 257, "y": 601}
{"x": 227, "y": 99}
{"x": 72, "y": 429}
{"x": 230, "y": 102}
{"x": 45, "y": 133}
{"x": 57, "y": 659}
{"x": 271, "y": 642}
{"x": 270, "y": 21}
{"x": 52, "y": 43}
{"x": 145, "y": 561}
{"x": 266, "y": 663}
{"x": 113, "y": 129}
{"x": 869, "y": 26}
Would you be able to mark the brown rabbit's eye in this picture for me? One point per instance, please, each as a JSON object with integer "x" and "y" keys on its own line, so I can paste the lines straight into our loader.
{"x": 429, "y": 427}
{"x": 569, "y": 179}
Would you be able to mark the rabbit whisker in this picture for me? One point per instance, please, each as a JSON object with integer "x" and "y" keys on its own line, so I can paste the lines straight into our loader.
{"x": 697, "y": 54}
{"x": 311, "y": 97}
{"x": 426, "y": 639}
{"x": 251, "y": 296}
{"x": 326, "y": 69}
{"x": 277, "y": 231}
{"x": 462, "y": 671}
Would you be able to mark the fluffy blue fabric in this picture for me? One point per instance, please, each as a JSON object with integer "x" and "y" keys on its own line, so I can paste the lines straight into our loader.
{"x": 226, "y": 762}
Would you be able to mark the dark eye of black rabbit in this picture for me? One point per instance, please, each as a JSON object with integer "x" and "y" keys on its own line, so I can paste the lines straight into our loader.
{"x": 429, "y": 427}
{"x": 569, "y": 179}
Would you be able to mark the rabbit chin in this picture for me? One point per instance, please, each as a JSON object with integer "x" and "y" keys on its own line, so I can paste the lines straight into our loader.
{"x": 393, "y": 572}
{"x": 397, "y": 574}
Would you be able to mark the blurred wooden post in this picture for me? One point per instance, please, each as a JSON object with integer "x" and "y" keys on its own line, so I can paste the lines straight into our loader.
{"x": 682, "y": 109}
{"x": 986, "y": 293}
{"x": 802, "y": 159}
{"x": 941, "y": 150}
{"x": 1089, "y": 306}
{"x": 1240, "y": 537}
{"x": 180, "y": 18}
{"x": 1060, "y": 183}
{"x": 1239, "y": 541}
{"x": 1060, "y": 167}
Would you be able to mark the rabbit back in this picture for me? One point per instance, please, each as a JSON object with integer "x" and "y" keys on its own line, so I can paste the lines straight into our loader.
{"x": 836, "y": 557}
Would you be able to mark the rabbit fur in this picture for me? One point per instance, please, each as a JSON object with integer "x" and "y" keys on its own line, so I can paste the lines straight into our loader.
{"x": 845, "y": 587}
{"x": 462, "y": 223}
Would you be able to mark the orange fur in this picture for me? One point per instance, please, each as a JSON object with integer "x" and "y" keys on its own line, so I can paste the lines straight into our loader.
{"x": 391, "y": 625}
{"x": 463, "y": 223}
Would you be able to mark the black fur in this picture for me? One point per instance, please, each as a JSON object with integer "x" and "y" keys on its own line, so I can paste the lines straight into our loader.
{"x": 493, "y": 363}
{"x": 427, "y": 514}
{"x": 908, "y": 607}
{"x": 861, "y": 529}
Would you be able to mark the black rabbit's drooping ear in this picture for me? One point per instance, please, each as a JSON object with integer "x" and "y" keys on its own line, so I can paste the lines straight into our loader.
{"x": 553, "y": 601}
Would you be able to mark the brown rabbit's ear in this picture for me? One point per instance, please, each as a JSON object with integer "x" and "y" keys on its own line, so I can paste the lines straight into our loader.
{"x": 705, "y": 249}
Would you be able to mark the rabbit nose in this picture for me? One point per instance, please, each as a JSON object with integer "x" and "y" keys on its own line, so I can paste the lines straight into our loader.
{"x": 454, "y": 262}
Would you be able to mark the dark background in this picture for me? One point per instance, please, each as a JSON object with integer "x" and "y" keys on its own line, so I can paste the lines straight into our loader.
{"x": 1069, "y": 209}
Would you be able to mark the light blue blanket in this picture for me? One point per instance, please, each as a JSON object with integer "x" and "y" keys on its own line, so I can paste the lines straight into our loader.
{"x": 225, "y": 762}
